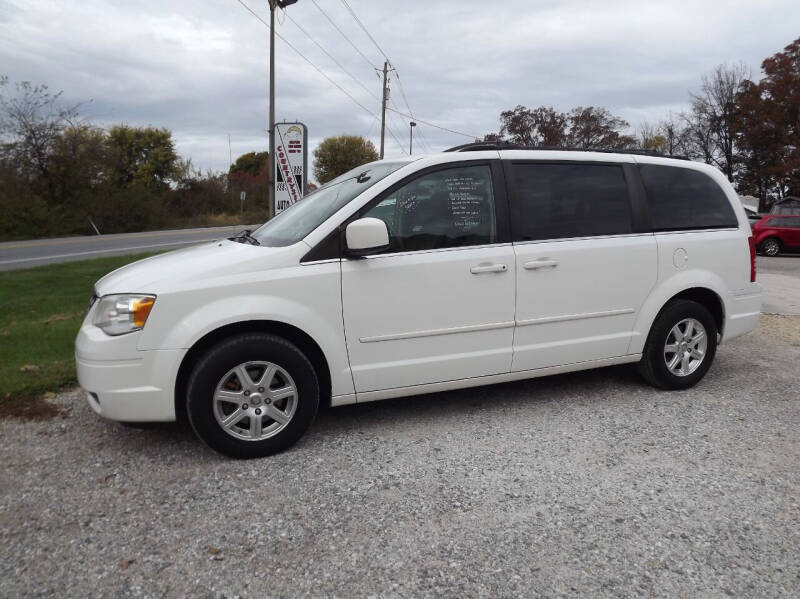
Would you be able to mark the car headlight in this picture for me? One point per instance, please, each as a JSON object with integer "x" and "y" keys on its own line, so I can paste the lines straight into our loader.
{"x": 123, "y": 313}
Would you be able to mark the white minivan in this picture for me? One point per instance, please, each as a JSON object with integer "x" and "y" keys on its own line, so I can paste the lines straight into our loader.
{"x": 475, "y": 266}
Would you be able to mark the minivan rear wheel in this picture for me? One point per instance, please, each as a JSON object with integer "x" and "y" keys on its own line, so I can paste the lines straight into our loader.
{"x": 252, "y": 395}
{"x": 680, "y": 347}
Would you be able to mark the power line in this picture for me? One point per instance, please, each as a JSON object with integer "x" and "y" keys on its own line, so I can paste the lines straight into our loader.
{"x": 328, "y": 54}
{"x": 433, "y": 124}
{"x": 397, "y": 76}
{"x": 321, "y": 72}
{"x": 369, "y": 35}
{"x": 400, "y": 145}
{"x": 344, "y": 35}
{"x": 285, "y": 41}
{"x": 424, "y": 139}
{"x": 403, "y": 92}
{"x": 399, "y": 82}
{"x": 346, "y": 72}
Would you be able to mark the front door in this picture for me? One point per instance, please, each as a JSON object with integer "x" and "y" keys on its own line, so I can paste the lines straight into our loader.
{"x": 582, "y": 270}
{"x": 439, "y": 304}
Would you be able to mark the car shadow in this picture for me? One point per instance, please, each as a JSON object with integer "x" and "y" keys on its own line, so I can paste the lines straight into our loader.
{"x": 588, "y": 385}
{"x": 177, "y": 438}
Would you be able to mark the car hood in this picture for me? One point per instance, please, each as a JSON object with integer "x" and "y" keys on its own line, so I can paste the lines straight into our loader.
{"x": 204, "y": 261}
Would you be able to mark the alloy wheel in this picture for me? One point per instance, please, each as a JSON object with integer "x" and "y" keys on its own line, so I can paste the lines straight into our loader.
{"x": 685, "y": 347}
{"x": 255, "y": 400}
{"x": 771, "y": 247}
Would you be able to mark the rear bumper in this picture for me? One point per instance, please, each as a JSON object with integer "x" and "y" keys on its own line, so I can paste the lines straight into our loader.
{"x": 743, "y": 310}
{"x": 123, "y": 383}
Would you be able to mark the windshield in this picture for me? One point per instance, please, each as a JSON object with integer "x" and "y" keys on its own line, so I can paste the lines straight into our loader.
{"x": 297, "y": 221}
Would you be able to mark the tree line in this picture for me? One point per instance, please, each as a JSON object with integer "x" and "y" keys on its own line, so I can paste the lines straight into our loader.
{"x": 62, "y": 175}
{"x": 749, "y": 130}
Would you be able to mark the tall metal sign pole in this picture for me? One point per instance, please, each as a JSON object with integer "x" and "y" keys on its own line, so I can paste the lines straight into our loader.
{"x": 271, "y": 196}
{"x": 272, "y": 5}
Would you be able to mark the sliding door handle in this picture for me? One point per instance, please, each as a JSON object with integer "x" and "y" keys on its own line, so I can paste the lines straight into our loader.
{"x": 482, "y": 268}
{"x": 539, "y": 264}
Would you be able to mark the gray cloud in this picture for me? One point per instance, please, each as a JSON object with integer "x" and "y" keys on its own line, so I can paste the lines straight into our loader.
{"x": 200, "y": 69}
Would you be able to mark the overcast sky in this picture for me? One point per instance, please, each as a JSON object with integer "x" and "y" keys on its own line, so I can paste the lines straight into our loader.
{"x": 201, "y": 68}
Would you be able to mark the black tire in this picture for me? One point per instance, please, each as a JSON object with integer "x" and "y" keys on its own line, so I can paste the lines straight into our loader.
{"x": 228, "y": 354}
{"x": 653, "y": 367}
{"x": 771, "y": 246}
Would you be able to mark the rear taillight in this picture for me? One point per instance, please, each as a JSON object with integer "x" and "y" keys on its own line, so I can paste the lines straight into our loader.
{"x": 752, "y": 242}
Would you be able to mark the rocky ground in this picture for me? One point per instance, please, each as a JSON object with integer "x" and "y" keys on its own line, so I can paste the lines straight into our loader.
{"x": 587, "y": 484}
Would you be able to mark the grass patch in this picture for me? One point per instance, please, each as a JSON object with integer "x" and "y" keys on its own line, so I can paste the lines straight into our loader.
{"x": 41, "y": 310}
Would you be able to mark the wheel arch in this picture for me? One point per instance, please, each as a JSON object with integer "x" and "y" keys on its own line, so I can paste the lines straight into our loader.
{"x": 291, "y": 333}
{"x": 702, "y": 294}
{"x": 708, "y": 299}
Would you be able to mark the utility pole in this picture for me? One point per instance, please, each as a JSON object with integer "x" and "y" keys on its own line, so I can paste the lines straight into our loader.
{"x": 411, "y": 138}
{"x": 272, "y": 5}
{"x": 383, "y": 103}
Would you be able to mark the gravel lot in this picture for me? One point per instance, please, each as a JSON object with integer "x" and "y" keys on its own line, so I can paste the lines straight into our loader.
{"x": 578, "y": 485}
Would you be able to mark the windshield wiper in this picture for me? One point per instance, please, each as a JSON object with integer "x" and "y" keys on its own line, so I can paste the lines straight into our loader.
{"x": 245, "y": 237}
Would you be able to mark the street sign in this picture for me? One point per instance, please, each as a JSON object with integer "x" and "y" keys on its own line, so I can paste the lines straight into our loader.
{"x": 291, "y": 164}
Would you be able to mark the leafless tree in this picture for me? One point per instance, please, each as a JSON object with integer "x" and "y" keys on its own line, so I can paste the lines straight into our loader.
{"x": 650, "y": 137}
{"x": 710, "y": 122}
{"x": 31, "y": 122}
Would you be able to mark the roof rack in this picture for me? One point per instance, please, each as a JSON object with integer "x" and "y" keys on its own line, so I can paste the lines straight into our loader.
{"x": 507, "y": 145}
{"x": 476, "y": 146}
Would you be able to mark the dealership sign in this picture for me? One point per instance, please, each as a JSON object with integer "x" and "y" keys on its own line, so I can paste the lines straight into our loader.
{"x": 291, "y": 164}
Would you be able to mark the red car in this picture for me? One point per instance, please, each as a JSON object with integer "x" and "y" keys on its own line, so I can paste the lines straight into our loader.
{"x": 777, "y": 232}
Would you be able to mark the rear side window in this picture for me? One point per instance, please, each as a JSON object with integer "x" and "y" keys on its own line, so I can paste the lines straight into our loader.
{"x": 682, "y": 198}
{"x": 784, "y": 221}
{"x": 556, "y": 201}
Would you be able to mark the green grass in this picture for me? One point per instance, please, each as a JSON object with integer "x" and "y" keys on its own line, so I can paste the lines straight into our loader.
{"x": 41, "y": 310}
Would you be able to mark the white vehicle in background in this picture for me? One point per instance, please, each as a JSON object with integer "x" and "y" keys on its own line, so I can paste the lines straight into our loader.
{"x": 470, "y": 267}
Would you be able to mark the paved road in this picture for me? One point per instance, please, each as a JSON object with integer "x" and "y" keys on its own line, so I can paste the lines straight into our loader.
{"x": 25, "y": 254}
{"x": 780, "y": 277}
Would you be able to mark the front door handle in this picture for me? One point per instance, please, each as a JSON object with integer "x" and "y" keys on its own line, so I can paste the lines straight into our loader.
{"x": 540, "y": 263}
{"x": 482, "y": 268}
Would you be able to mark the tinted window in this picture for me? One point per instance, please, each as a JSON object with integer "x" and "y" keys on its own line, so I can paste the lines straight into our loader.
{"x": 682, "y": 198}
{"x": 785, "y": 221}
{"x": 447, "y": 208}
{"x": 555, "y": 201}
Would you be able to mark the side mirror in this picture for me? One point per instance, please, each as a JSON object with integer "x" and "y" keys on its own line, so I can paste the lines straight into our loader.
{"x": 366, "y": 236}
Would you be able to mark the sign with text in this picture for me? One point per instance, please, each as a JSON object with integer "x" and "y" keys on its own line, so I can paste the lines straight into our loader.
{"x": 291, "y": 164}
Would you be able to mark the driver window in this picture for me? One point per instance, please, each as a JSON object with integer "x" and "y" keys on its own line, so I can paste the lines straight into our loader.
{"x": 447, "y": 208}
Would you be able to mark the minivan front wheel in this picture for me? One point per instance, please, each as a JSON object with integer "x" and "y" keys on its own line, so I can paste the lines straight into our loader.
{"x": 680, "y": 347}
{"x": 252, "y": 395}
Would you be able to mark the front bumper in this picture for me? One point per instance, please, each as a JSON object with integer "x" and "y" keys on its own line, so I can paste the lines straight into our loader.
{"x": 123, "y": 383}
